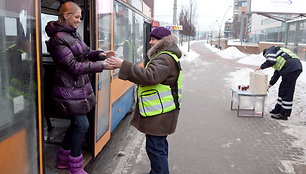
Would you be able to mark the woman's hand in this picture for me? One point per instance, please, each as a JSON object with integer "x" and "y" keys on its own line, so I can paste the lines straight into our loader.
{"x": 108, "y": 54}
{"x": 114, "y": 62}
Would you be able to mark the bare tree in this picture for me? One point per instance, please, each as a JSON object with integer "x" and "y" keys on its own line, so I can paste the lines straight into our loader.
{"x": 187, "y": 19}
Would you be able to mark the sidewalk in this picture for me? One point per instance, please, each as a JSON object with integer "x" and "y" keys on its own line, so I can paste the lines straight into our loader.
{"x": 210, "y": 138}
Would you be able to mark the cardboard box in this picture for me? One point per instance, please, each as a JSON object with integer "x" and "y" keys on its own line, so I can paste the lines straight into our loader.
{"x": 258, "y": 82}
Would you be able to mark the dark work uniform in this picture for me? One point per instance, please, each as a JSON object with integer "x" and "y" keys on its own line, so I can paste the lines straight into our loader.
{"x": 289, "y": 67}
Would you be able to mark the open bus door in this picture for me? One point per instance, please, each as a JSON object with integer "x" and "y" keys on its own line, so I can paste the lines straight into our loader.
{"x": 99, "y": 118}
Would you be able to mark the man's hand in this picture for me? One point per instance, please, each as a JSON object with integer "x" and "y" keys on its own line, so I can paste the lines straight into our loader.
{"x": 107, "y": 66}
{"x": 269, "y": 86}
{"x": 257, "y": 69}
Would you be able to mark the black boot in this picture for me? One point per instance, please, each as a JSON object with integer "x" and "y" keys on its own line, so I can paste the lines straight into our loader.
{"x": 274, "y": 112}
{"x": 279, "y": 116}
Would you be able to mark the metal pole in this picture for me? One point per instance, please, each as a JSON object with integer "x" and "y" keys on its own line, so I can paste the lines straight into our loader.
{"x": 286, "y": 24}
{"x": 174, "y": 12}
{"x": 189, "y": 25}
{"x": 220, "y": 26}
{"x": 241, "y": 28}
{"x": 174, "y": 22}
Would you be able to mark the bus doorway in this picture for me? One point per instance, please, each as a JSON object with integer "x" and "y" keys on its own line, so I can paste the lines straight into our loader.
{"x": 55, "y": 125}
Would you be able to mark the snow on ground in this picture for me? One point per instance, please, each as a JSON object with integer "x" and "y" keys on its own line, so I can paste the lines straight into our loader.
{"x": 253, "y": 59}
{"x": 228, "y": 53}
{"x": 190, "y": 56}
{"x": 231, "y": 53}
{"x": 212, "y": 48}
{"x": 296, "y": 124}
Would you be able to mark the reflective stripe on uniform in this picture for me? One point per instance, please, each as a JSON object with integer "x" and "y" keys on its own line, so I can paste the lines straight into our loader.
{"x": 280, "y": 62}
{"x": 286, "y": 107}
{"x": 271, "y": 59}
{"x": 287, "y": 102}
{"x": 155, "y": 96}
{"x": 147, "y": 110}
{"x": 158, "y": 99}
{"x": 290, "y": 53}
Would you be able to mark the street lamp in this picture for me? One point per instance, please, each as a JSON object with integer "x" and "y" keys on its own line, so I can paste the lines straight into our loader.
{"x": 220, "y": 25}
{"x": 212, "y": 30}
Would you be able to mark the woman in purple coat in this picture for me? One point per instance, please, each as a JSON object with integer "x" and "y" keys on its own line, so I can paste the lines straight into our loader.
{"x": 72, "y": 93}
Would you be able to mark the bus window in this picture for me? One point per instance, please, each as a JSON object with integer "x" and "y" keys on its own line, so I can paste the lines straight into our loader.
{"x": 139, "y": 38}
{"x": 104, "y": 43}
{"x": 45, "y": 18}
{"x": 123, "y": 32}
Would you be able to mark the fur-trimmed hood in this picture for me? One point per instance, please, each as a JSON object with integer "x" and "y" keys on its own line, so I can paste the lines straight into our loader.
{"x": 168, "y": 43}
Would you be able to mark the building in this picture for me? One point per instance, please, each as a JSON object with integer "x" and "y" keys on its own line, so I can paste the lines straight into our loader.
{"x": 239, "y": 19}
{"x": 261, "y": 28}
{"x": 227, "y": 29}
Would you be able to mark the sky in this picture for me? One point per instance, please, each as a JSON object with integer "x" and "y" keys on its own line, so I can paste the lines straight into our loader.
{"x": 295, "y": 125}
{"x": 207, "y": 12}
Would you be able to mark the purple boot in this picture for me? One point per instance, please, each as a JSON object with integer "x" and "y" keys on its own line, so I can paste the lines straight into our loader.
{"x": 76, "y": 165}
{"x": 62, "y": 160}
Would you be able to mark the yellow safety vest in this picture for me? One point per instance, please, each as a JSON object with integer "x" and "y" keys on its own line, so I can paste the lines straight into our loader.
{"x": 158, "y": 99}
{"x": 280, "y": 61}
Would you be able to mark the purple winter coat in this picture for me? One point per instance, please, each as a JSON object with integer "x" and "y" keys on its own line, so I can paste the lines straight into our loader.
{"x": 72, "y": 93}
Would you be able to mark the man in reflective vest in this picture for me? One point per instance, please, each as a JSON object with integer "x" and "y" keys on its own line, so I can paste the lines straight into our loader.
{"x": 159, "y": 94}
{"x": 287, "y": 65}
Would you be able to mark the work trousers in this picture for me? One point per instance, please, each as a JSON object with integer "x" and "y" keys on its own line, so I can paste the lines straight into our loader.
{"x": 157, "y": 150}
{"x": 286, "y": 92}
{"x": 75, "y": 134}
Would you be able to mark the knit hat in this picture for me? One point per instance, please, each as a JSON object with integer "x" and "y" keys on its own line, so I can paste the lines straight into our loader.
{"x": 160, "y": 32}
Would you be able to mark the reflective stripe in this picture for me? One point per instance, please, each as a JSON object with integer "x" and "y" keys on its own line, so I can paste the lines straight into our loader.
{"x": 290, "y": 53}
{"x": 279, "y": 52}
{"x": 280, "y": 61}
{"x": 286, "y": 107}
{"x": 271, "y": 59}
{"x": 287, "y": 102}
{"x": 158, "y": 99}
{"x": 271, "y": 55}
{"x": 155, "y": 96}
{"x": 278, "y": 102}
{"x": 157, "y": 107}
{"x": 279, "y": 98}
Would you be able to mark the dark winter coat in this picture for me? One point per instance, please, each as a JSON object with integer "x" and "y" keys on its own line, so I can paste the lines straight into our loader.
{"x": 72, "y": 93}
{"x": 162, "y": 69}
{"x": 291, "y": 65}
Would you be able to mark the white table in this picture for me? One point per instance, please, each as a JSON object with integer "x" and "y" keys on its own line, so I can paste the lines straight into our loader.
{"x": 248, "y": 93}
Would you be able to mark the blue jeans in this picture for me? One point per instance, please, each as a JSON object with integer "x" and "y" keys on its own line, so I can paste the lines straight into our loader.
{"x": 75, "y": 134}
{"x": 157, "y": 150}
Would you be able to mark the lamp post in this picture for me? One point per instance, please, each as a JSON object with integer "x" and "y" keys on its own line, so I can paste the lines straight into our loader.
{"x": 212, "y": 30}
{"x": 189, "y": 24}
{"x": 220, "y": 25}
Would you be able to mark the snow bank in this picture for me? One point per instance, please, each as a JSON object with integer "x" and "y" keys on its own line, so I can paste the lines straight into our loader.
{"x": 231, "y": 53}
{"x": 190, "y": 56}
{"x": 212, "y": 48}
{"x": 253, "y": 59}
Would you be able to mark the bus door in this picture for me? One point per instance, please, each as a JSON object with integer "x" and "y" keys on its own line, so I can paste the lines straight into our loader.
{"x": 102, "y": 39}
{"x": 20, "y": 147}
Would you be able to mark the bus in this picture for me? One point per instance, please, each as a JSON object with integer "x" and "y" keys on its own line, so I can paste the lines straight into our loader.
{"x": 30, "y": 133}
